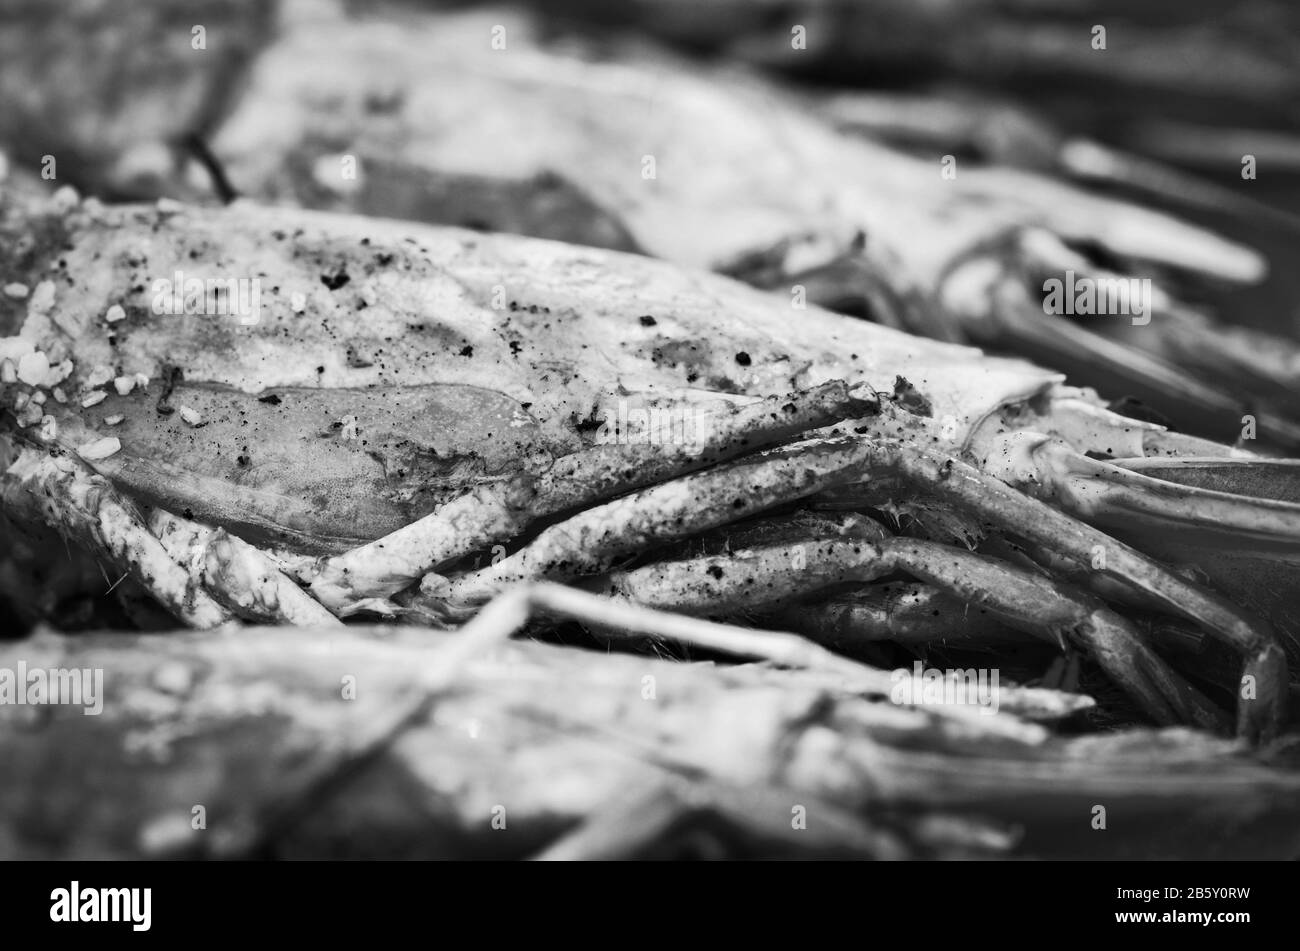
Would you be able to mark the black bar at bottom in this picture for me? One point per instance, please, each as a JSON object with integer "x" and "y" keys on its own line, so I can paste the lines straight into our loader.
{"x": 336, "y": 901}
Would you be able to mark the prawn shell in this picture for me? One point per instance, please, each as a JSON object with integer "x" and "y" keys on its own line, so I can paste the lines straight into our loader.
{"x": 549, "y": 336}
{"x": 315, "y": 470}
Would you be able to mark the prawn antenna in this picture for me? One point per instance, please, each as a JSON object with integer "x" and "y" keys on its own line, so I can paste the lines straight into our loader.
{"x": 195, "y": 146}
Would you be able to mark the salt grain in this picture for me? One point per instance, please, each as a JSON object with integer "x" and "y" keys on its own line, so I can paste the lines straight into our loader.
{"x": 16, "y": 290}
{"x": 99, "y": 448}
{"x": 65, "y": 199}
{"x": 297, "y": 302}
{"x": 114, "y": 419}
{"x": 49, "y": 429}
{"x": 115, "y": 313}
{"x": 58, "y": 374}
{"x": 34, "y": 368}
{"x": 8, "y": 372}
{"x": 191, "y": 416}
{"x": 93, "y": 399}
{"x": 42, "y": 301}
{"x": 15, "y": 348}
{"x": 124, "y": 385}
